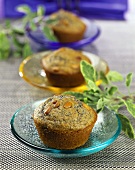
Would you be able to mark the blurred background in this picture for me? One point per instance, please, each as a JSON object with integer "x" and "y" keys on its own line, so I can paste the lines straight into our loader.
{"x": 98, "y": 9}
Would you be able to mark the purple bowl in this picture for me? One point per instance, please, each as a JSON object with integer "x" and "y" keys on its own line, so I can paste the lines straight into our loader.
{"x": 38, "y": 40}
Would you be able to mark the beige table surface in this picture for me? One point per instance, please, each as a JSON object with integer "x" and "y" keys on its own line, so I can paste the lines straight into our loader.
{"x": 116, "y": 45}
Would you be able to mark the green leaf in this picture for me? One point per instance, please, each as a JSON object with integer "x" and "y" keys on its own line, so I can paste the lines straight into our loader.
{"x": 32, "y": 25}
{"x": 92, "y": 86}
{"x": 51, "y": 21}
{"x": 114, "y": 76}
{"x": 4, "y": 41}
{"x": 100, "y": 104}
{"x": 4, "y": 54}
{"x": 129, "y": 79}
{"x": 49, "y": 33}
{"x": 130, "y": 106}
{"x": 4, "y": 46}
{"x": 18, "y": 31}
{"x": 92, "y": 96}
{"x": 115, "y": 107}
{"x": 17, "y": 43}
{"x": 40, "y": 11}
{"x": 24, "y": 8}
{"x": 76, "y": 94}
{"x": 88, "y": 71}
{"x": 103, "y": 78}
{"x": 8, "y": 24}
{"x": 109, "y": 95}
{"x": 127, "y": 126}
{"x": 17, "y": 54}
{"x": 112, "y": 90}
{"x": 26, "y": 50}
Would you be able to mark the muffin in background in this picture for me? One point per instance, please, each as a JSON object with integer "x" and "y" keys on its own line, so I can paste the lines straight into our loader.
{"x": 68, "y": 26}
{"x": 64, "y": 122}
{"x": 62, "y": 67}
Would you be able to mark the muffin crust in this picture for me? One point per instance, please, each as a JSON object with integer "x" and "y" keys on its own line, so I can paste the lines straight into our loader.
{"x": 63, "y": 122}
{"x": 68, "y": 26}
{"x": 62, "y": 67}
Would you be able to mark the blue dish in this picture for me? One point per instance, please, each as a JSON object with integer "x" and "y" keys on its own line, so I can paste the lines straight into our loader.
{"x": 39, "y": 41}
{"x": 104, "y": 133}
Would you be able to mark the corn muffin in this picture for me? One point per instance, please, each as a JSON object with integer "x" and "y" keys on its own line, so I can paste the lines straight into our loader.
{"x": 62, "y": 67}
{"x": 68, "y": 26}
{"x": 64, "y": 122}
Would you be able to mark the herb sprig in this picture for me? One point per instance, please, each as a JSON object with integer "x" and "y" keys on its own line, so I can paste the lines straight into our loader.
{"x": 13, "y": 39}
{"x": 39, "y": 15}
{"x": 108, "y": 94}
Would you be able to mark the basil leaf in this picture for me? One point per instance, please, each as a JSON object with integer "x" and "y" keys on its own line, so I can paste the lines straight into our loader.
{"x": 88, "y": 71}
{"x": 126, "y": 126}
{"x": 129, "y": 79}
{"x": 114, "y": 76}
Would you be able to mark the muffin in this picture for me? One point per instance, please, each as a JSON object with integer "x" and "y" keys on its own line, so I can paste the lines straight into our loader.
{"x": 64, "y": 122}
{"x": 68, "y": 26}
{"x": 62, "y": 67}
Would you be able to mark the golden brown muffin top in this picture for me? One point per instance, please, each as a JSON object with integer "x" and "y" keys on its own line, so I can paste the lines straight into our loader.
{"x": 64, "y": 112}
{"x": 64, "y": 61}
{"x": 67, "y": 22}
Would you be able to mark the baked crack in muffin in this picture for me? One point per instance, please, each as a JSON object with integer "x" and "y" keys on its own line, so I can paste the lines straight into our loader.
{"x": 64, "y": 122}
{"x": 62, "y": 67}
{"x": 68, "y": 26}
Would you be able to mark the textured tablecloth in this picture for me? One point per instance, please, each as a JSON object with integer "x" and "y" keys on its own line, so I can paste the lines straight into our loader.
{"x": 117, "y": 46}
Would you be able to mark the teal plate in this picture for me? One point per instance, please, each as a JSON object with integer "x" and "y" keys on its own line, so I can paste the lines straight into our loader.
{"x": 104, "y": 133}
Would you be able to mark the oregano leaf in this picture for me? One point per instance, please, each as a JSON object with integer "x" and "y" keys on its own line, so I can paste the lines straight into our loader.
{"x": 129, "y": 79}
{"x": 114, "y": 76}
{"x": 40, "y": 11}
{"x": 76, "y": 94}
{"x": 52, "y": 21}
{"x": 4, "y": 46}
{"x": 112, "y": 90}
{"x": 49, "y": 33}
{"x": 92, "y": 86}
{"x": 24, "y": 8}
{"x": 26, "y": 50}
{"x": 103, "y": 78}
{"x": 88, "y": 71}
{"x": 107, "y": 95}
{"x": 130, "y": 106}
{"x": 100, "y": 104}
{"x": 127, "y": 128}
{"x": 32, "y": 25}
